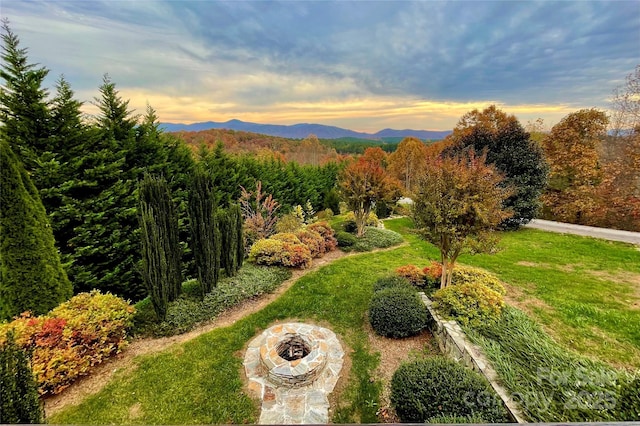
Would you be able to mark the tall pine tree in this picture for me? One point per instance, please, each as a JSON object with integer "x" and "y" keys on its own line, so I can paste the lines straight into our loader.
{"x": 24, "y": 110}
{"x": 32, "y": 278}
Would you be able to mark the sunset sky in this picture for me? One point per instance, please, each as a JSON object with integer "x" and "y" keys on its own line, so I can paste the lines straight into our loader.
{"x": 356, "y": 64}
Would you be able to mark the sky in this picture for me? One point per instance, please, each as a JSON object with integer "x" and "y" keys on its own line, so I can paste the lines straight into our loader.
{"x": 362, "y": 65}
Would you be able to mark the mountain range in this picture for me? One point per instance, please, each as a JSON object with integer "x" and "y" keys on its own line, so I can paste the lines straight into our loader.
{"x": 300, "y": 131}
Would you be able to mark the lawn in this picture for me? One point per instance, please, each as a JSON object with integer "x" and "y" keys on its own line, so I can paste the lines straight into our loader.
{"x": 580, "y": 289}
{"x": 584, "y": 291}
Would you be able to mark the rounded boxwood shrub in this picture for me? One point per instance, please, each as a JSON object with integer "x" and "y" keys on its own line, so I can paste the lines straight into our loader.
{"x": 345, "y": 239}
{"x": 391, "y": 281}
{"x": 469, "y": 303}
{"x": 397, "y": 312}
{"x": 436, "y": 387}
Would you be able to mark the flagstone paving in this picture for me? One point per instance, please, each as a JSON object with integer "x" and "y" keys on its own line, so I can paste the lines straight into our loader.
{"x": 295, "y": 391}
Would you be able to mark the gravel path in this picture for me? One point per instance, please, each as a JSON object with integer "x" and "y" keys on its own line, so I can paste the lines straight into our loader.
{"x": 589, "y": 231}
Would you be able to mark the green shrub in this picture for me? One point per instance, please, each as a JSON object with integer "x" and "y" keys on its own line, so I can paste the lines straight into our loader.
{"x": 19, "y": 399}
{"x": 66, "y": 343}
{"x": 463, "y": 274}
{"x": 424, "y": 389}
{"x": 345, "y": 239}
{"x": 290, "y": 222}
{"x": 628, "y": 404}
{"x": 455, "y": 419}
{"x": 469, "y": 303}
{"x": 189, "y": 310}
{"x": 397, "y": 312}
{"x": 267, "y": 252}
{"x": 391, "y": 281}
{"x": 350, "y": 221}
{"x": 374, "y": 238}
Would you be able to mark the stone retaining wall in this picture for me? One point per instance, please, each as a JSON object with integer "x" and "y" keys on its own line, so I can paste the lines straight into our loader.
{"x": 454, "y": 344}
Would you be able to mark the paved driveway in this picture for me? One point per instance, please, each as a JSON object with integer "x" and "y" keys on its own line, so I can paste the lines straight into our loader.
{"x": 589, "y": 231}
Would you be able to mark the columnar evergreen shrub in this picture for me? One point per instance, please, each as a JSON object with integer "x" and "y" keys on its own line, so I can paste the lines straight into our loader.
{"x": 424, "y": 389}
{"x": 231, "y": 231}
{"x": 31, "y": 275}
{"x": 161, "y": 251}
{"x": 397, "y": 312}
{"x": 206, "y": 240}
{"x": 77, "y": 335}
{"x": 19, "y": 400}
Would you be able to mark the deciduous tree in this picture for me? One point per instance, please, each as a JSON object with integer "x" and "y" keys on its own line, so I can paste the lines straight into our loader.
{"x": 514, "y": 154}
{"x": 457, "y": 203}
{"x": 408, "y": 161}
{"x": 571, "y": 149}
{"x": 363, "y": 183}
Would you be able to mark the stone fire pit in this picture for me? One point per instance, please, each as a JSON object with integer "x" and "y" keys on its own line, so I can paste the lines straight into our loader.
{"x": 293, "y": 367}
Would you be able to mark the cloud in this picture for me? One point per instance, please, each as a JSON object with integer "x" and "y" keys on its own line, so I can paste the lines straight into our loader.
{"x": 250, "y": 58}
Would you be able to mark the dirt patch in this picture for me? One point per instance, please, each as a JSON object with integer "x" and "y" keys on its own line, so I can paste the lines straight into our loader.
{"x": 135, "y": 411}
{"x": 124, "y": 362}
{"x": 394, "y": 352}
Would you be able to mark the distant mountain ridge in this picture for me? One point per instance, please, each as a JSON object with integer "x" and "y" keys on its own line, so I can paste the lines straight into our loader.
{"x": 302, "y": 130}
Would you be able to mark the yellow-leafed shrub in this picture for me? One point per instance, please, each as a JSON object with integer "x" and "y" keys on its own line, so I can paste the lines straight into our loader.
{"x": 469, "y": 303}
{"x": 466, "y": 274}
{"x": 72, "y": 338}
{"x": 275, "y": 251}
{"x": 313, "y": 241}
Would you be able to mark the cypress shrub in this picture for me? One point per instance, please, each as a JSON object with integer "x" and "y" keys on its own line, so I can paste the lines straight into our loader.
{"x": 232, "y": 254}
{"x": 239, "y": 238}
{"x": 161, "y": 252}
{"x": 31, "y": 275}
{"x": 205, "y": 233}
{"x": 19, "y": 401}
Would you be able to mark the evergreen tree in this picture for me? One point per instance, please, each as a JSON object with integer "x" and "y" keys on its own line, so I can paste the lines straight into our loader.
{"x": 19, "y": 402}
{"x": 161, "y": 253}
{"x": 205, "y": 233}
{"x": 32, "y": 278}
{"x": 24, "y": 110}
{"x": 514, "y": 154}
{"x": 238, "y": 222}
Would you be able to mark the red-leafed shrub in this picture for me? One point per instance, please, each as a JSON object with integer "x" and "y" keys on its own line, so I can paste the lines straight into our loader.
{"x": 412, "y": 273}
{"x": 326, "y": 231}
{"x": 432, "y": 274}
{"x": 313, "y": 241}
{"x": 72, "y": 338}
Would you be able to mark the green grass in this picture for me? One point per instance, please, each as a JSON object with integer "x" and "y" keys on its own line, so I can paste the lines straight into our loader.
{"x": 201, "y": 381}
{"x": 582, "y": 290}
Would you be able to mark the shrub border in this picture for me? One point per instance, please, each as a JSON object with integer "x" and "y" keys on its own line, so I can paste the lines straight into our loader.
{"x": 454, "y": 344}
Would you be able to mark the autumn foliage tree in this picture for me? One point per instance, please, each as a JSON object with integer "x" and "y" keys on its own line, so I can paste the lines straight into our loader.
{"x": 458, "y": 202}
{"x": 408, "y": 161}
{"x": 513, "y": 153}
{"x": 571, "y": 149}
{"x": 363, "y": 183}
